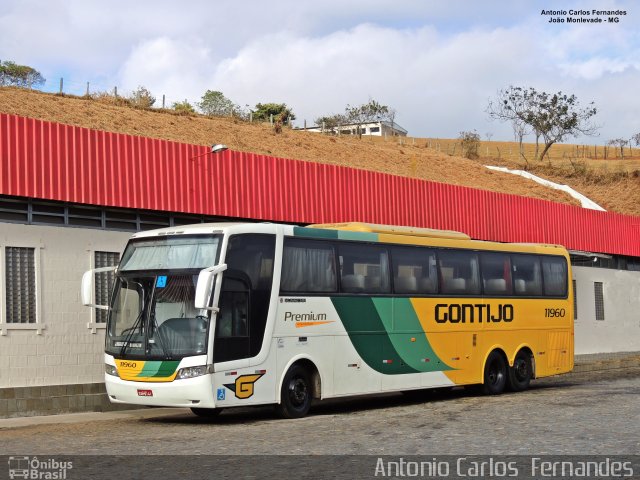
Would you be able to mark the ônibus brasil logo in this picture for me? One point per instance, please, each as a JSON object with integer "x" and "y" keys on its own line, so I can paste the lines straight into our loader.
{"x": 37, "y": 469}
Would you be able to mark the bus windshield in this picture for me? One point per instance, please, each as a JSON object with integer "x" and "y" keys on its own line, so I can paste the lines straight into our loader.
{"x": 152, "y": 311}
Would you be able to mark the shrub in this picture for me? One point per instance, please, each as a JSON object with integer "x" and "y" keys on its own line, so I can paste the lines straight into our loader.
{"x": 470, "y": 142}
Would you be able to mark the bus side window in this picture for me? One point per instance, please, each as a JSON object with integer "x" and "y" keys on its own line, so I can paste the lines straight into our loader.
{"x": 308, "y": 266}
{"x": 527, "y": 278}
{"x": 459, "y": 272}
{"x": 414, "y": 270}
{"x": 496, "y": 273}
{"x": 364, "y": 268}
{"x": 554, "y": 271}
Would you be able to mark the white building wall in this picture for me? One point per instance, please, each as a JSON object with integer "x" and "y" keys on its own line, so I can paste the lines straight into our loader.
{"x": 620, "y": 330}
{"x": 68, "y": 350}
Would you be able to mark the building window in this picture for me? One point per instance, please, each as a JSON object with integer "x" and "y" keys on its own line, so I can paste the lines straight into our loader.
{"x": 599, "y": 298}
{"x": 33, "y": 212}
{"x": 20, "y": 278}
{"x": 104, "y": 281}
{"x": 374, "y": 129}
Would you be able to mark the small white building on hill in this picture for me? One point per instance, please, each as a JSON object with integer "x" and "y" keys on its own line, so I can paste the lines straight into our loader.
{"x": 377, "y": 129}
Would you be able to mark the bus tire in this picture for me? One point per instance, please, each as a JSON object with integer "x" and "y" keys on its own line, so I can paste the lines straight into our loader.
{"x": 495, "y": 374}
{"x": 295, "y": 394}
{"x": 206, "y": 412}
{"x": 521, "y": 373}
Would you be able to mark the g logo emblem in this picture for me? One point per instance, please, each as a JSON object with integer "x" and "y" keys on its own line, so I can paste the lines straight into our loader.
{"x": 243, "y": 387}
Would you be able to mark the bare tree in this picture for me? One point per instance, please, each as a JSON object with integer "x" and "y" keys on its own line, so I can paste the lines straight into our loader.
{"x": 552, "y": 116}
{"x": 618, "y": 143}
{"x": 510, "y": 106}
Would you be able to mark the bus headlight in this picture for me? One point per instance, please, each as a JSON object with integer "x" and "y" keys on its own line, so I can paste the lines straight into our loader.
{"x": 191, "y": 372}
{"x": 111, "y": 370}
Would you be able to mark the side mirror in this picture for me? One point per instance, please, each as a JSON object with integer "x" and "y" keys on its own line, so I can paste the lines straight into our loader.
{"x": 88, "y": 288}
{"x": 205, "y": 285}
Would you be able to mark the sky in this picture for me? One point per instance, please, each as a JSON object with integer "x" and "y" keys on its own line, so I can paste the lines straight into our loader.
{"x": 436, "y": 62}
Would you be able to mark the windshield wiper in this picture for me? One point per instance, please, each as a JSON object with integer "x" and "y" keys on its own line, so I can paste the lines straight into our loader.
{"x": 159, "y": 337}
{"x": 131, "y": 332}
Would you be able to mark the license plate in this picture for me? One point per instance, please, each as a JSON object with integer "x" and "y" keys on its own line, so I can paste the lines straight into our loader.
{"x": 145, "y": 393}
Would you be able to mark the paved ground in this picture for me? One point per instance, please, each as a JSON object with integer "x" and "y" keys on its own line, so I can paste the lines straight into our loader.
{"x": 584, "y": 413}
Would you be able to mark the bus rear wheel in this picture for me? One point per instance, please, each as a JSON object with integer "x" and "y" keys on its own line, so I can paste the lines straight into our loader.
{"x": 295, "y": 395}
{"x": 206, "y": 412}
{"x": 521, "y": 373}
{"x": 495, "y": 374}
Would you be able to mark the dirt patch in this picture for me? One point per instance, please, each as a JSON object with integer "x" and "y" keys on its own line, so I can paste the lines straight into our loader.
{"x": 412, "y": 158}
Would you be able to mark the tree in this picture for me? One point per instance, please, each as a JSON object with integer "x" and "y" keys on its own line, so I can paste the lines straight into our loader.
{"x": 12, "y": 74}
{"x": 331, "y": 123}
{"x": 215, "y": 104}
{"x": 510, "y": 106}
{"x": 470, "y": 142}
{"x": 618, "y": 143}
{"x": 552, "y": 116}
{"x": 280, "y": 111}
{"x": 636, "y": 139}
{"x": 141, "y": 98}
{"x": 366, "y": 113}
{"x": 183, "y": 107}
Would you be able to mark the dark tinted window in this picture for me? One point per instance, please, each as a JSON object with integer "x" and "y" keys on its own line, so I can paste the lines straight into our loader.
{"x": 245, "y": 296}
{"x": 459, "y": 272}
{"x": 554, "y": 271}
{"x": 496, "y": 273}
{"x": 364, "y": 268}
{"x": 527, "y": 279}
{"x": 414, "y": 270}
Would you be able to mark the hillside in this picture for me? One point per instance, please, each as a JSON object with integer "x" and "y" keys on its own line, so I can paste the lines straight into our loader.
{"x": 412, "y": 158}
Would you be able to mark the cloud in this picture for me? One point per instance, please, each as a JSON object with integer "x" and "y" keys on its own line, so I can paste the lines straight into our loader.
{"x": 436, "y": 62}
{"x": 439, "y": 84}
{"x": 166, "y": 66}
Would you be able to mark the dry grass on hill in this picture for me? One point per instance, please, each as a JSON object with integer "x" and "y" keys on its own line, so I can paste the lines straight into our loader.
{"x": 409, "y": 159}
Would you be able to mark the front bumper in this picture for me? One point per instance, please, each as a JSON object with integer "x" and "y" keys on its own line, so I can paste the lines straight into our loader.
{"x": 189, "y": 392}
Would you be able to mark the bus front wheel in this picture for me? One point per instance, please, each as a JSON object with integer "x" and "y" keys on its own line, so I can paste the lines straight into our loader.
{"x": 495, "y": 374}
{"x": 521, "y": 373}
{"x": 295, "y": 395}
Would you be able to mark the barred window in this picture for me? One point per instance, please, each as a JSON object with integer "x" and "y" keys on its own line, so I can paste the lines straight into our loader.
{"x": 104, "y": 281}
{"x": 599, "y": 298}
{"x": 20, "y": 272}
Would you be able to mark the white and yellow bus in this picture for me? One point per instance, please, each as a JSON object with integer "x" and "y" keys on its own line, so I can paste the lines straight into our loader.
{"x": 212, "y": 316}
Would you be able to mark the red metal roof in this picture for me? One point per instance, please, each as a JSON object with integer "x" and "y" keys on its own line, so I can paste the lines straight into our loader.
{"x": 60, "y": 162}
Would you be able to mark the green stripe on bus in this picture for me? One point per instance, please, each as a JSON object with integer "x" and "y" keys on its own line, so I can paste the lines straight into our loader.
{"x": 369, "y": 336}
{"x": 403, "y": 325}
{"x": 157, "y": 368}
{"x": 362, "y": 236}
{"x": 334, "y": 234}
{"x": 314, "y": 232}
